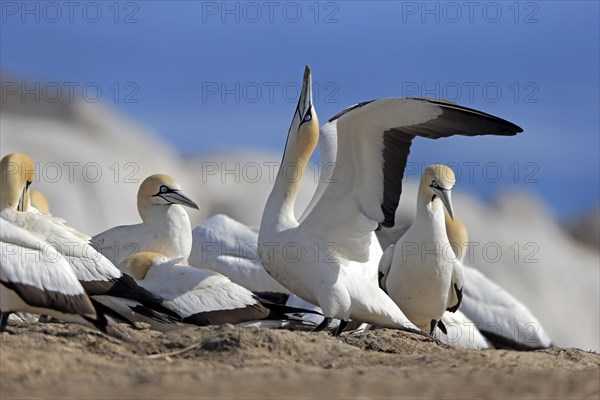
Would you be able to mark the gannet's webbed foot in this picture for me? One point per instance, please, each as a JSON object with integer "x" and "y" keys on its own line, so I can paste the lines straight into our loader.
{"x": 324, "y": 324}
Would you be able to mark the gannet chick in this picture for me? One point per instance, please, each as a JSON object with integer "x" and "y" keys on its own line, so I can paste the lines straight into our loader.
{"x": 97, "y": 275}
{"x": 165, "y": 226}
{"x": 199, "y": 296}
{"x": 421, "y": 272}
{"x": 34, "y": 277}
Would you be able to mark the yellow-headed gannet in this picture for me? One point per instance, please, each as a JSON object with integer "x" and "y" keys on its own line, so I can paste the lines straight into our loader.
{"x": 165, "y": 226}
{"x": 421, "y": 272}
{"x": 34, "y": 277}
{"x": 98, "y": 276}
{"x": 317, "y": 258}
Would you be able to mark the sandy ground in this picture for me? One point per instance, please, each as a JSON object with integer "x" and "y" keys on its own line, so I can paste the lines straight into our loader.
{"x": 67, "y": 361}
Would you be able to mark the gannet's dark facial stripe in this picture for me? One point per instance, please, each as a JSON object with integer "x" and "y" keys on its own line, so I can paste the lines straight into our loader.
{"x": 307, "y": 117}
{"x": 164, "y": 190}
{"x": 434, "y": 185}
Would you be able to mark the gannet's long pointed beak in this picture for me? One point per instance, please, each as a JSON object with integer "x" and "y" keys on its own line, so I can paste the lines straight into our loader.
{"x": 445, "y": 196}
{"x": 23, "y": 199}
{"x": 176, "y": 197}
{"x": 306, "y": 96}
{"x": 21, "y": 205}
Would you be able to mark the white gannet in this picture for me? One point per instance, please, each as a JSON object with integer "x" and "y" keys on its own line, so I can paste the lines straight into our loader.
{"x": 34, "y": 277}
{"x": 97, "y": 275}
{"x": 165, "y": 226}
{"x": 199, "y": 296}
{"x": 229, "y": 247}
{"x": 503, "y": 320}
{"x": 320, "y": 258}
{"x": 421, "y": 273}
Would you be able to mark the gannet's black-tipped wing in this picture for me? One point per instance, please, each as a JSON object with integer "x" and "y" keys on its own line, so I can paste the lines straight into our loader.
{"x": 95, "y": 273}
{"x": 39, "y": 275}
{"x": 374, "y": 140}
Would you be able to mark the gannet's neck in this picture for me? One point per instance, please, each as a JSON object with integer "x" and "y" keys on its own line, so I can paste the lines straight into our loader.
{"x": 279, "y": 210}
{"x": 430, "y": 212}
{"x": 162, "y": 213}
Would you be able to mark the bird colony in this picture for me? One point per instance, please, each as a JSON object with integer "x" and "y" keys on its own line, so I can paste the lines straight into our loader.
{"x": 158, "y": 274}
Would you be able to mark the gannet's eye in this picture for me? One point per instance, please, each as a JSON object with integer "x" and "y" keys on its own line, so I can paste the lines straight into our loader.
{"x": 434, "y": 184}
{"x": 163, "y": 189}
{"x": 307, "y": 117}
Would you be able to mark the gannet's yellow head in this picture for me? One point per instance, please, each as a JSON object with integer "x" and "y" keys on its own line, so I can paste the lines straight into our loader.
{"x": 138, "y": 264}
{"x": 39, "y": 201}
{"x": 18, "y": 172}
{"x": 437, "y": 181}
{"x": 161, "y": 189}
{"x": 303, "y": 134}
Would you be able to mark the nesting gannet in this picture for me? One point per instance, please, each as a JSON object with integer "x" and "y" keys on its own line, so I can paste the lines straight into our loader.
{"x": 317, "y": 258}
{"x": 503, "y": 320}
{"x": 34, "y": 277}
{"x": 200, "y": 296}
{"x": 165, "y": 226}
{"x": 421, "y": 272}
{"x": 97, "y": 275}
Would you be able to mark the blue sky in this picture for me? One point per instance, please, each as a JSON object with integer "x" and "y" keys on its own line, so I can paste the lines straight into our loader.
{"x": 215, "y": 75}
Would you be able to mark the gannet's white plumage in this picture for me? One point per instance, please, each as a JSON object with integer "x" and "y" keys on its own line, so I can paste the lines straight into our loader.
{"x": 37, "y": 203}
{"x": 373, "y": 144}
{"x": 499, "y": 316}
{"x": 165, "y": 226}
{"x": 34, "y": 277}
{"x": 460, "y": 332}
{"x": 421, "y": 272}
{"x": 228, "y": 247}
{"x": 199, "y": 296}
